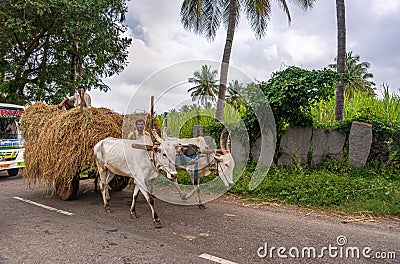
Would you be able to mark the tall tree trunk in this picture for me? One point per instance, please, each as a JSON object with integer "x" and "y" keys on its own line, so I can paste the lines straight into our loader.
{"x": 219, "y": 116}
{"x": 341, "y": 57}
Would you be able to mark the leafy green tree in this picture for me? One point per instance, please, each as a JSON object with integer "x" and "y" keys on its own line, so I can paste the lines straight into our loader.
{"x": 206, "y": 88}
{"x": 205, "y": 16}
{"x": 46, "y": 47}
{"x": 341, "y": 58}
{"x": 357, "y": 75}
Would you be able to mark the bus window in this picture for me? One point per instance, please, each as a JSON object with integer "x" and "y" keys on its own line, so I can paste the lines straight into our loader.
{"x": 9, "y": 128}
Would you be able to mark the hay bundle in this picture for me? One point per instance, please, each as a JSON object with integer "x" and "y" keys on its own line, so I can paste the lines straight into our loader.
{"x": 34, "y": 118}
{"x": 65, "y": 145}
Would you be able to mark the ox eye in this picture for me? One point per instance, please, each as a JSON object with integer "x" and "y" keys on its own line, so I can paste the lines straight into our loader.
{"x": 164, "y": 154}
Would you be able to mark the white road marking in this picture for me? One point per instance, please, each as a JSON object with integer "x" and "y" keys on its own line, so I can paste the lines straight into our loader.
{"x": 43, "y": 206}
{"x": 216, "y": 259}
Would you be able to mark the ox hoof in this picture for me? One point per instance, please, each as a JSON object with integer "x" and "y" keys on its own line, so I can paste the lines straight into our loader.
{"x": 202, "y": 206}
{"x": 108, "y": 209}
{"x": 157, "y": 223}
{"x": 184, "y": 198}
{"x": 134, "y": 215}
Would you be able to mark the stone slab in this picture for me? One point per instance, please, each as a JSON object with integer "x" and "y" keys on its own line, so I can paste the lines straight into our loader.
{"x": 360, "y": 141}
{"x": 327, "y": 144}
{"x": 295, "y": 146}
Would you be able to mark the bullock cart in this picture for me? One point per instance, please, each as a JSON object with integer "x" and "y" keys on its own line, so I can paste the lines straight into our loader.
{"x": 59, "y": 149}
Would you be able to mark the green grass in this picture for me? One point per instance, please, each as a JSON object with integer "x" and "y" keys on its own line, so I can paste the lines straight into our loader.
{"x": 386, "y": 109}
{"x": 333, "y": 187}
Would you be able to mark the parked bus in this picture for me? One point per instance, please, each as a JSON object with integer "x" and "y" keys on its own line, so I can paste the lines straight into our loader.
{"x": 11, "y": 143}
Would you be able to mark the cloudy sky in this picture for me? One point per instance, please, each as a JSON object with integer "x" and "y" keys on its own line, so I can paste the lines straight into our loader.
{"x": 163, "y": 55}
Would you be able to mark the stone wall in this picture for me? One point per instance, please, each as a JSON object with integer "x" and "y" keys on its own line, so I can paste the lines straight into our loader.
{"x": 314, "y": 146}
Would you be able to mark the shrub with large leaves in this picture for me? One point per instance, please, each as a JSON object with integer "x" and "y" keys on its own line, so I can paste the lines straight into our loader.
{"x": 292, "y": 91}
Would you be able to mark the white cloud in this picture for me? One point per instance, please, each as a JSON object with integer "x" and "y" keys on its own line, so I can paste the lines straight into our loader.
{"x": 303, "y": 49}
{"x": 386, "y": 7}
{"x": 310, "y": 42}
{"x": 271, "y": 52}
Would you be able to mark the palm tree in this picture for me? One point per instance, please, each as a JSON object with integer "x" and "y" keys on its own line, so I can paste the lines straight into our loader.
{"x": 341, "y": 57}
{"x": 357, "y": 75}
{"x": 204, "y": 18}
{"x": 235, "y": 95}
{"x": 206, "y": 85}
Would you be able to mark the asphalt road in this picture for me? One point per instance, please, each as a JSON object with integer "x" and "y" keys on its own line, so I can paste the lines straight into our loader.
{"x": 39, "y": 228}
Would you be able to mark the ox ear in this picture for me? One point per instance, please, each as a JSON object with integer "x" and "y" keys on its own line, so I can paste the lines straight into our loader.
{"x": 158, "y": 138}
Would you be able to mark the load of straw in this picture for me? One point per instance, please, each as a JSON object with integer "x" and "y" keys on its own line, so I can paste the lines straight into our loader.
{"x": 34, "y": 118}
{"x": 60, "y": 143}
{"x": 65, "y": 145}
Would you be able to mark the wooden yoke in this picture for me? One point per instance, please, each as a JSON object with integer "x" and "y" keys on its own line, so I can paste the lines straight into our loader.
{"x": 142, "y": 146}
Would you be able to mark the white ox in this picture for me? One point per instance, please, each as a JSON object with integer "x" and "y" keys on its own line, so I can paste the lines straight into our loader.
{"x": 210, "y": 161}
{"x": 117, "y": 156}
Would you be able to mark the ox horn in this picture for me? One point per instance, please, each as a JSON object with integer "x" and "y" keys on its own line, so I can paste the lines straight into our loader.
{"x": 228, "y": 144}
{"x": 156, "y": 136}
{"x": 221, "y": 142}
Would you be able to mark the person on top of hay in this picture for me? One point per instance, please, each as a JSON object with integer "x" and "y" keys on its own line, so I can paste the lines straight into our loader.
{"x": 87, "y": 101}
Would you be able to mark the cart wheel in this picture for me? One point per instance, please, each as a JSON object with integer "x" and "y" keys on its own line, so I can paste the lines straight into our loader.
{"x": 118, "y": 183}
{"x": 69, "y": 193}
{"x": 13, "y": 172}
